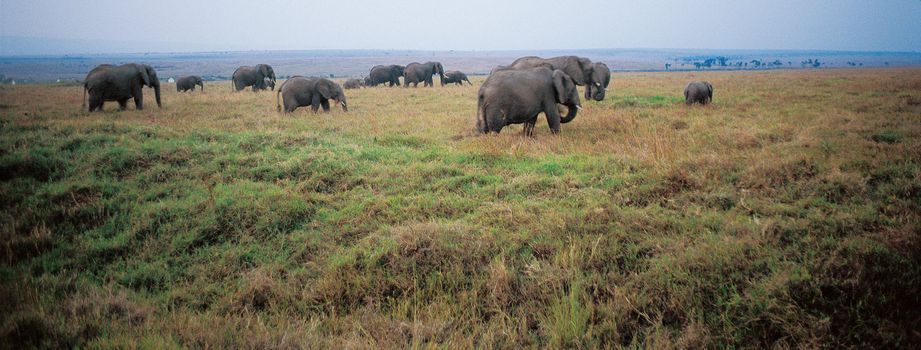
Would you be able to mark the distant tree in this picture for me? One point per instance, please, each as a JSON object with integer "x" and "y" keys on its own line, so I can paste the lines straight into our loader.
{"x": 697, "y": 65}
{"x": 667, "y": 66}
{"x": 722, "y": 60}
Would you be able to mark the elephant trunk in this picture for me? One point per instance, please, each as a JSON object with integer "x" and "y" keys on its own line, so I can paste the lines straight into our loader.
{"x": 345, "y": 108}
{"x": 598, "y": 93}
{"x": 156, "y": 86}
{"x": 571, "y": 114}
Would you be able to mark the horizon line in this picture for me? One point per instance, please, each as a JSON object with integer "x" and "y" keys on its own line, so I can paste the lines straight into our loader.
{"x": 167, "y": 52}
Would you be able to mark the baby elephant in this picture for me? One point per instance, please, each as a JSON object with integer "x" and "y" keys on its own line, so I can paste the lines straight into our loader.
{"x": 456, "y": 77}
{"x": 518, "y": 96}
{"x": 314, "y": 92}
{"x": 352, "y": 84}
{"x": 698, "y": 92}
{"x": 188, "y": 82}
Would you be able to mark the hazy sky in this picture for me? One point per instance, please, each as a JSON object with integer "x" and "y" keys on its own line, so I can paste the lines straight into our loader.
{"x": 193, "y": 25}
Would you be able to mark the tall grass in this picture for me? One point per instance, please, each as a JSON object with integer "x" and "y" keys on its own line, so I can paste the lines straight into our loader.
{"x": 784, "y": 214}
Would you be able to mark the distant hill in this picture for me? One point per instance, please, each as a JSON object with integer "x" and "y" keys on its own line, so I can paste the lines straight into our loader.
{"x": 356, "y": 63}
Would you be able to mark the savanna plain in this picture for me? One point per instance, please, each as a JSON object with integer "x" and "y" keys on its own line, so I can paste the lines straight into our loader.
{"x": 785, "y": 214}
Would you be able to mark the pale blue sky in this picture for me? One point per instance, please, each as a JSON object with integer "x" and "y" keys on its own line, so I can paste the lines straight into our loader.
{"x": 191, "y": 25}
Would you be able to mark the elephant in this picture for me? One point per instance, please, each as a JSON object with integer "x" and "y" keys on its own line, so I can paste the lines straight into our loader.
{"x": 580, "y": 69}
{"x": 253, "y": 76}
{"x": 366, "y": 81}
{"x": 604, "y": 74}
{"x": 107, "y": 82}
{"x": 517, "y": 96}
{"x": 422, "y": 72}
{"x": 314, "y": 92}
{"x": 386, "y": 74}
{"x": 698, "y": 92}
{"x": 188, "y": 83}
{"x": 456, "y": 77}
{"x": 353, "y": 84}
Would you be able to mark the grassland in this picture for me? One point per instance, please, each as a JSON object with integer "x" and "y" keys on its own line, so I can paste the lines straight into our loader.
{"x": 785, "y": 214}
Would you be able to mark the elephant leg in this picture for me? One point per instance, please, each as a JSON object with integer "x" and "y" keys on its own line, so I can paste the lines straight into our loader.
{"x": 290, "y": 105}
{"x": 123, "y": 104}
{"x": 95, "y": 103}
{"x": 527, "y": 130}
{"x": 138, "y": 100}
{"x": 325, "y": 103}
{"x": 315, "y": 103}
{"x": 529, "y": 126}
{"x": 553, "y": 116}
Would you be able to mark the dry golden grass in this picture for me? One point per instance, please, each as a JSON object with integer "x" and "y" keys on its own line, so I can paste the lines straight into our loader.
{"x": 787, "y": 213}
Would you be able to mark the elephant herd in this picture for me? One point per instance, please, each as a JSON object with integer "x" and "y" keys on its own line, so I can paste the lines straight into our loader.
{"x": 512, "y": 94}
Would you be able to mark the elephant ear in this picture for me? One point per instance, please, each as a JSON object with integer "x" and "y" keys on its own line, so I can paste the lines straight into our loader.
{"x": 264, "y": 69}
{"x": 560, "y": 80}
{"x": 709, "y": 90}
{"x": 588, "y": 69}
{"x": 325, "y": 88}
{"x": 142, "y": 71}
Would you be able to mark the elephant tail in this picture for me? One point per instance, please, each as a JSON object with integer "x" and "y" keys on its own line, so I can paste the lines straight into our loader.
{"x": 277, "y": 102}
{"x": 84, "y": 96}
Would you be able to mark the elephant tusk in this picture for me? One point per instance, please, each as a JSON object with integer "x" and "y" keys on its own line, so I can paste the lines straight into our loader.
{"x": 598, "y": 84}
{"x": 579, "y": 107}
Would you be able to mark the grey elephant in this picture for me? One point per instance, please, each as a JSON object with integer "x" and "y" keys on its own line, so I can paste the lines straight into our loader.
{"x": 698, "y": 92}
{"x": 314, "y": 92}
{"x": 580, "y": 69}
{"x": 253, "y": 76}
{"x": 517, "y": 96}
{"x": 456, "y": 77}
{"x": 352, "y": 84}
{"x": 188, "y": 82}
{"x": 119, "y": 83}
{"x": 594, "y": 91}
{"x": 366, "y": 81}
{"x": 386, "y": 75}
{"x": 422, "y": 72}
